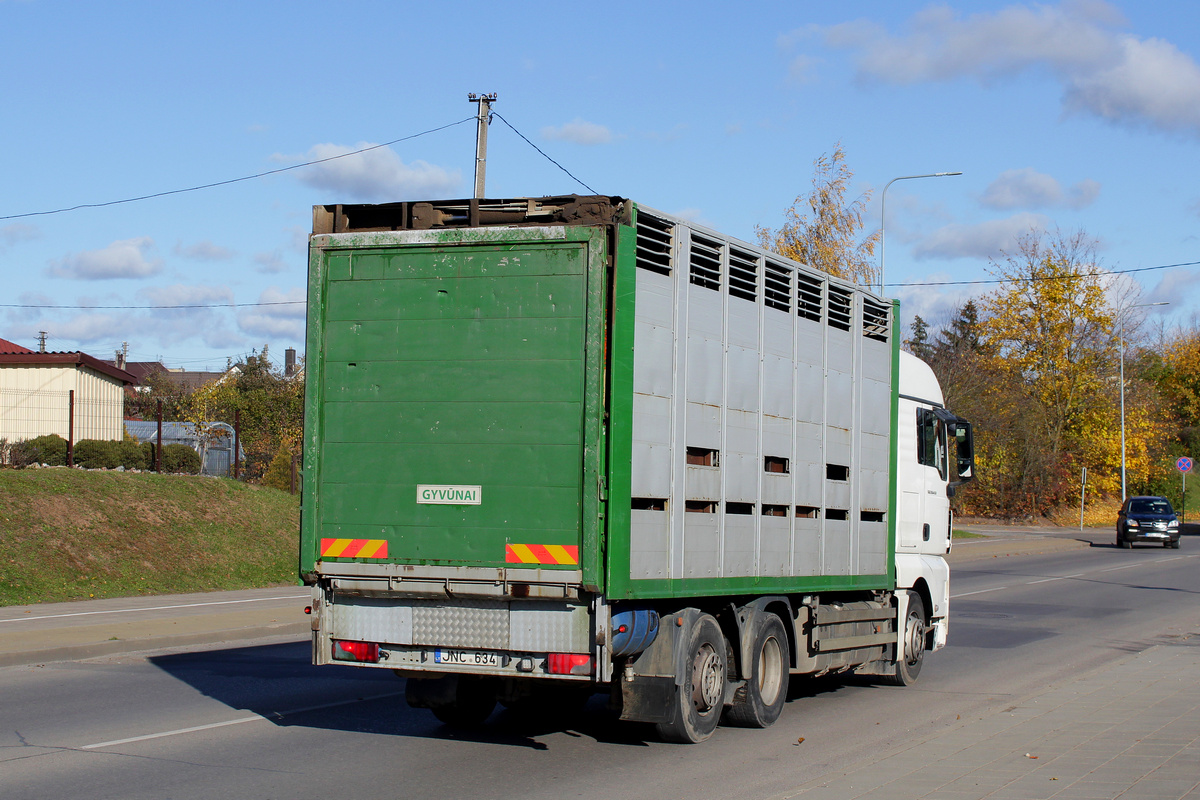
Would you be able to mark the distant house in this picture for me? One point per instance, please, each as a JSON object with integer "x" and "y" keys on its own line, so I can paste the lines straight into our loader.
{"x": 187, "y": 380}
{"x": 36, "y": 399}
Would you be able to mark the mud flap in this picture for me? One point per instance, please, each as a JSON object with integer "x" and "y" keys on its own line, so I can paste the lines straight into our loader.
{"x": 648, "y": 698}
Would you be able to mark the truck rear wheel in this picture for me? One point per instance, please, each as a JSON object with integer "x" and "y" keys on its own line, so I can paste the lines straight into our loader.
{"x": 701, "y": 697}
{"x": 760, "y": 702}
{"x": 908, "y": 664}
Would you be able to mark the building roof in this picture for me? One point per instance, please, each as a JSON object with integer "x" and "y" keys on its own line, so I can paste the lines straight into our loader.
{"x": 32, "y": 359}
{"x": 12, "y": 347}
{"x": 192, "y": 380}
{"x": 140, "y": 370}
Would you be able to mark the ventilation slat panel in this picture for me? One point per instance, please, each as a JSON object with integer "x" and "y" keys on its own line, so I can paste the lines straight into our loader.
{"x": 706, "y": 263}
{"x": 655, "y": 244}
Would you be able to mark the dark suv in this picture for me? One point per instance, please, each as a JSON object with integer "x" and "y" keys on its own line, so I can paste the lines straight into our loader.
{"x": 1147, "y": 519}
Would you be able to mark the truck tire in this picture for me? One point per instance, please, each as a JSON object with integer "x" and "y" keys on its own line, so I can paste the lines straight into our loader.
{"x": 700, "y": 698}
{"x": 908, "y": 665}
{"x": 760, "y": 702}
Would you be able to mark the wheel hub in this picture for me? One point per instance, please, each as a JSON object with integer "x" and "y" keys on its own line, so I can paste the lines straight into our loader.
{"x": 914, "y": 640}
{"x": 707, "y": 680}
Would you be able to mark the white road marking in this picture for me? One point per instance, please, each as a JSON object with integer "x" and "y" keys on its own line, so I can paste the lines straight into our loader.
{"x": 981, "y": 591}
{"x": 238, "y": 721}
{"x": 1077, "y": 575}
{"x": 158, "y": 608}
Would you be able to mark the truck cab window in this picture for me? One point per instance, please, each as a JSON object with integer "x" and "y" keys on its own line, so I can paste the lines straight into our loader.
{"x": 931, "y": 441}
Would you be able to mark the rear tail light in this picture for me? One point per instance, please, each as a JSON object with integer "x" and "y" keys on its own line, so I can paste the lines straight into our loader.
{"x": 356, "y": 651}
{"x": 569, "y": 664}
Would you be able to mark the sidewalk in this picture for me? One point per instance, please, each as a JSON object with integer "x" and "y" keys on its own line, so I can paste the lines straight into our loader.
{"x": 61, "y": 631}
{"x": 1002, "y": 541}
{"x": 1130, "y": 730}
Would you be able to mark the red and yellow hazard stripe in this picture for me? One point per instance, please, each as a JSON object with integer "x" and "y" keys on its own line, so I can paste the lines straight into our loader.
{"x": 561, "y": 554}
{"x": 354, "y": 548}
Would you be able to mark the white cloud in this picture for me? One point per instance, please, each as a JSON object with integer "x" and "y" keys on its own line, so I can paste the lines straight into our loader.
{"x": 578, "y": 131}
{"x": 937, "y": 305}
{"x": 282, "y": 316}
{"x": 376, "y": 175}
{"x": 1116, "y": 76}
{"x": 92, "y": 327}
{"x": 1028, "y": 188}
{"x": 182, "y": 295}
{"x": 130, "y": 258}
{"x": 1175, "y": 287}
{"x": 802, "y": 70}
{"x": 269, "y": 263}
{"x": 1152, "y": 83}
{"x": 18, "y": 232}
{"x": 203, "y": 251}
{"x": 981, "y": 240}
{"x": 1083, "y": 194}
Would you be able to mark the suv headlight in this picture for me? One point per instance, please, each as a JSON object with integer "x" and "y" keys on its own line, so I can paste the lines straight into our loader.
{"x": 1173, "y": 523}
{"x": 1133, "y": 523}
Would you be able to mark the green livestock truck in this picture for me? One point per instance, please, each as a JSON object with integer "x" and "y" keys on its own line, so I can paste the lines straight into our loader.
{"x": 567, "y": 445}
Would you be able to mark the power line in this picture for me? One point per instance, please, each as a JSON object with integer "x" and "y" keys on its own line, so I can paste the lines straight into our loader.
{"x": 1049, "y": 277}
{"x": 548, "y": 158}
{"x": 234, "y": 180}
{"x": 303, "y": 302}
{"x": 162, "y": 308}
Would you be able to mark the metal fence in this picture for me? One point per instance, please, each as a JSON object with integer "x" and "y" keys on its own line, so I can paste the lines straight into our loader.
{"x": 27, "y": 414}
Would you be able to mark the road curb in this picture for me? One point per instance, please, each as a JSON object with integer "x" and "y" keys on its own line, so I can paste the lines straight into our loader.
{"x": 995, "y": 547}
{"x": 72, "y": 652}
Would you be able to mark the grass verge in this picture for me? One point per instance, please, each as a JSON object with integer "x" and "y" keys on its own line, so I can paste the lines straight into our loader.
{"x": 69, "y": 534}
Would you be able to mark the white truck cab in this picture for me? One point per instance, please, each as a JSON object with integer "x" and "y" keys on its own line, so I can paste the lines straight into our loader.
{"x": 935, "y": 456}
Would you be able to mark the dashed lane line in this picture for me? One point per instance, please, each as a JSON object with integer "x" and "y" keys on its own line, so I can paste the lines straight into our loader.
{"x": 157, "y": 608}
{"x": 252, "y": 718}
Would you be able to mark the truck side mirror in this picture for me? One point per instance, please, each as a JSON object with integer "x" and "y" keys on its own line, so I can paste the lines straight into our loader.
{"x": 965, "y": 450}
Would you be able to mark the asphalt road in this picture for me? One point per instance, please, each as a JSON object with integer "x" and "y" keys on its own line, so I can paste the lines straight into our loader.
{"x": 257, "y": 721}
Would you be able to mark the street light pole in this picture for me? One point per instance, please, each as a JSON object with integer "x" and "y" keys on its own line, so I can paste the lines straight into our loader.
{"x": 883, "y": 213}
{"x": 1121, "y": 350}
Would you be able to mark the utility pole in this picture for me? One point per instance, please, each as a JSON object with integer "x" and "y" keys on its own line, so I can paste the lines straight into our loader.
{"x": 483, "y": 119}
{"x": 41, "y": 341}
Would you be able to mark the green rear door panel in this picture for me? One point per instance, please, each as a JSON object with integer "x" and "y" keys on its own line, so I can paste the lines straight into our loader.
{"x": 460, "y": 360}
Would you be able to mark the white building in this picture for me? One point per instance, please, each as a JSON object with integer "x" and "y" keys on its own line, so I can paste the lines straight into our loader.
{"x": 36, "y": 395}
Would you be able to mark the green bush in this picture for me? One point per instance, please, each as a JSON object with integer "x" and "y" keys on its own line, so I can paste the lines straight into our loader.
{"x": 131, "y": 455}
{"x": 97, "y": 454}
{"x": 50, "y": 449}
{"x": 180, "y": 458}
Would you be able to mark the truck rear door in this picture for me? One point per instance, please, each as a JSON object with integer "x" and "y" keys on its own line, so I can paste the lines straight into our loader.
{"x": 459, "y": 396}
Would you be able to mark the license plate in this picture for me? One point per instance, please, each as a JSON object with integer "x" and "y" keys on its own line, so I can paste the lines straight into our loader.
{"x": 471, "y": 658}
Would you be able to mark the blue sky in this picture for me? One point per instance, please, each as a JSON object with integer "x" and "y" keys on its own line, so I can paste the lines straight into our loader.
{"x": 1071, "y": 115}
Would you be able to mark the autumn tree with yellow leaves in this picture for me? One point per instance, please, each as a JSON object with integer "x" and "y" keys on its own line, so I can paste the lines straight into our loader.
{"x": 269, "y": 403}
{"x": 1040, "y": 381}
{"x": 822, "y": 229}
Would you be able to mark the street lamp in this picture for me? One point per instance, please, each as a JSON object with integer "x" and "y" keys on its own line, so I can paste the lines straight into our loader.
{"x": 883, "y": 213}
{"x": 1121, "y": 345}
